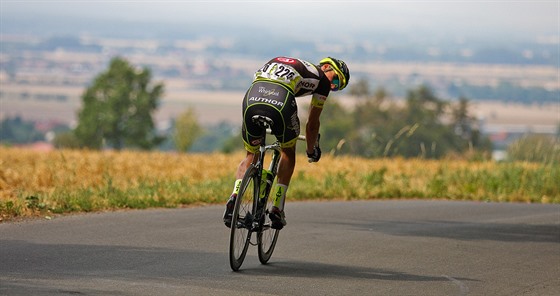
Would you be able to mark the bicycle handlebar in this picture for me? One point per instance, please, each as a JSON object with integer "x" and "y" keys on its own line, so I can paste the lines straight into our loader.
{"x": 300, "y": 137}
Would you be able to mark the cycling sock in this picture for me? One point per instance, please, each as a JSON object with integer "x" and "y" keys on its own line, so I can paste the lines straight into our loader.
{"x": 236, "y": 187}
{"x": 280, "y": 196}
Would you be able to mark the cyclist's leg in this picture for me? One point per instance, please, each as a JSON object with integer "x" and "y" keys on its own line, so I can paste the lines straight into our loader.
{"x": 285, "y": 172}
{"x": 286, "y": 165}
{"x": 251, "y": 133}
{"x": 244, "y": 165}
{"x": 288, "y": 138}
{"x": 241, "y": 169}
{"x": 278, "y": 194}
{"x": 251, "y": 142}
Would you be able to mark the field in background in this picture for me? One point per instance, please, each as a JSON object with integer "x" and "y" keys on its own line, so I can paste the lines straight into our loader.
{"x": 214, "y": 107}
{"x": 65, "y": 181}
{"x": 51, "y": 83}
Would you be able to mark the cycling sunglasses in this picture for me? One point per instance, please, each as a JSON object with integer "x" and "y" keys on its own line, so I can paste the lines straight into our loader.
{"x": 336, "y": 82}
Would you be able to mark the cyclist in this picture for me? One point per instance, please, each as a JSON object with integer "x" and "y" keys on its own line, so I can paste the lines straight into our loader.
{"x": 272, "y": 94}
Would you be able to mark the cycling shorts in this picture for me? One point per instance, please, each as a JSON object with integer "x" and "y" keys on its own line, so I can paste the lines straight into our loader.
{"x": 277, "y": 102}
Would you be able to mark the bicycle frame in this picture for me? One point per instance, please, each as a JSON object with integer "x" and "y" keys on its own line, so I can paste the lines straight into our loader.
{"x": 273, "y": 169}
{"x": 250, "y": 214}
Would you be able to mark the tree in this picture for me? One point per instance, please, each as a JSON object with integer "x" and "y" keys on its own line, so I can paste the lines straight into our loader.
{"x": 422, "y": 133}
{"x": 380, "y": 127}
{"x": 18, "y": 131}
{"x": 336, "y": 129}
{"x": 360, "y": 89}
{"x": 118, "y": 107}
{"x": 371, "y": 132}
{"x": 187, "y": 130}
{"x": 66, "y": 140}
{"x": 466, "y": 128}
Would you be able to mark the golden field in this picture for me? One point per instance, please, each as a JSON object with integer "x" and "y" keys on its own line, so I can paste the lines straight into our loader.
{"x": 63, "y": 181}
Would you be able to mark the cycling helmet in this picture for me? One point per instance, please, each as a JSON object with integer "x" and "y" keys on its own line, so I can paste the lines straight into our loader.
{"x": 340, "y": 68}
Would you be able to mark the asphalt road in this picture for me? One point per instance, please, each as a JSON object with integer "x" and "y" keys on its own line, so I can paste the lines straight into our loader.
{"x": 329, "y": 248}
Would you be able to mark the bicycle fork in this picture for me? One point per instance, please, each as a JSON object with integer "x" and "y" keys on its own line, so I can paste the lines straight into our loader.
{"x": 264, "y": 193}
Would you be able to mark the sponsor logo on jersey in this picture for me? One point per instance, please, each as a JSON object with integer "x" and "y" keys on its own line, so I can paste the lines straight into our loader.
{"x": 306, "y": 64}
{"x": 295, "y": 123}
{"x": 266, "y": 100}
{"x": 286, "y": 60}
{"x": 268, "y": 92}
{"x": 306, "y": 85}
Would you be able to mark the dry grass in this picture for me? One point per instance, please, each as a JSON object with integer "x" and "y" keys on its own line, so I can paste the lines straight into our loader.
{"x": 39, "y": 183}
{"x": 27, "y": 170}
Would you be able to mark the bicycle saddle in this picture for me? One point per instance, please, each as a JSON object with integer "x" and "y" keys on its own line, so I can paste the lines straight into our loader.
{"x": 262, "y": 121}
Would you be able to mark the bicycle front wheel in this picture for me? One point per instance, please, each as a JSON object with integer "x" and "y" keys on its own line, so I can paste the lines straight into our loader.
{"x": 242, "y": 218}
{"x": 267, "y": 236}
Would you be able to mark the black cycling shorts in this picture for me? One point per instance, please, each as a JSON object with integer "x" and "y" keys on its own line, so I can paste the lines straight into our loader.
{"x": 277, "y": 102}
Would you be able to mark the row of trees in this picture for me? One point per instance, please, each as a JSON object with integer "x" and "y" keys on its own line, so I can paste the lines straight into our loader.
{"x": 118, "y": 108}
{"x": 18, "y": 131}
{"x": 421, "y": 126}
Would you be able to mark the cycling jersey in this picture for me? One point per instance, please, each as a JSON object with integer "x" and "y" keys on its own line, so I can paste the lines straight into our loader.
{"x": 302, "y": 77}
{"x": 273, "y": 93}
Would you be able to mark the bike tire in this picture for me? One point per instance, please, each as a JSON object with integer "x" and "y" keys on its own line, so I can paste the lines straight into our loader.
{"x": 267, "y": 237}
{"x": 242, "y": 218}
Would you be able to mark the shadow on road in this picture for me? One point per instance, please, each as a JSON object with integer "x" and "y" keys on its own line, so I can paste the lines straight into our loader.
{"x": 322, "y": 270}
{"x": 30, "y": 268}
{"x": 35, "y": 260}
{"x": 464, "y": 230}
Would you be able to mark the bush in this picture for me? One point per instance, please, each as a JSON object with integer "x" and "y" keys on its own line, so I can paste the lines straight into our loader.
{"x": 66, "y": 140}
{"x": 535, "y": 148}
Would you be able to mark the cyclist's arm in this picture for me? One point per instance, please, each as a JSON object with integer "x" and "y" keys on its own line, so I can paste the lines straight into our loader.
{"x": 317, "y": 101}
{"x": 312, "y": 127}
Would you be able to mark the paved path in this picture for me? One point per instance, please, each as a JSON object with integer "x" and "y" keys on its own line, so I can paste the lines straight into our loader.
{"x": 329, "y": 248}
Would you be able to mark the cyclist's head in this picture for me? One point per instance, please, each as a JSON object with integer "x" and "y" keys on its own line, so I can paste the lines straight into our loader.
{"x": 341, "y": 70}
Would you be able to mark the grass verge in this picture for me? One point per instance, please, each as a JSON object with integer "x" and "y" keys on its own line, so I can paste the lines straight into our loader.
{"x": 67, "y": 181}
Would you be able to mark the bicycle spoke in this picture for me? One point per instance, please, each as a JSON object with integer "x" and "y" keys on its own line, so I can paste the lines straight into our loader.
{"x": 267, "y": 237}
{"x": 242, "y": 220}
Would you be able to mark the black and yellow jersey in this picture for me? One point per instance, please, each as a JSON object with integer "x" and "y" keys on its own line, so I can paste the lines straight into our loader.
{"x": 301, "y": 77}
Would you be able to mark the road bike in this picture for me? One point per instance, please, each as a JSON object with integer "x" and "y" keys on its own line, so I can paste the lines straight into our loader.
{"x": 252, "y": 205}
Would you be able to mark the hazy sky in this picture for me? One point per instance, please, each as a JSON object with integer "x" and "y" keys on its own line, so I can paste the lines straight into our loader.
{"x": 529, "y": 17}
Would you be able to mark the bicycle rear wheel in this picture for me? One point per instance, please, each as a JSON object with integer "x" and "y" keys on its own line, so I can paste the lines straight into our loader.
{"x": 267, "y": 236}
{"x": 242, "y": 219}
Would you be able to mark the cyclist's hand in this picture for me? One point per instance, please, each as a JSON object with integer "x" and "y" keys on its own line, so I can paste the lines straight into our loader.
{"x": 315, "y": 155}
